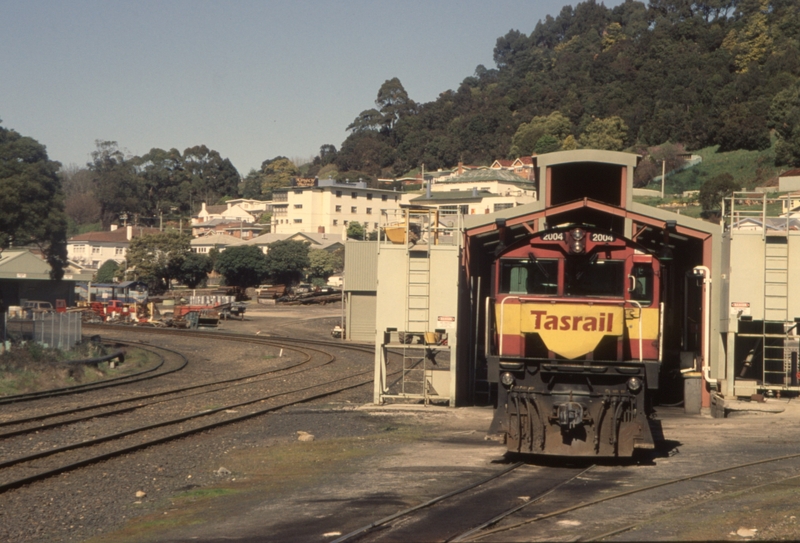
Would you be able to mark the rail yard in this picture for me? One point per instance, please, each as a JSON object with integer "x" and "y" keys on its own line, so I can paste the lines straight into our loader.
{"x": 225, "y": 439}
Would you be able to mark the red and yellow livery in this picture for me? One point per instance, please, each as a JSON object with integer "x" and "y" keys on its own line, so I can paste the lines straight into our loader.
{"x": 575, "y": 346}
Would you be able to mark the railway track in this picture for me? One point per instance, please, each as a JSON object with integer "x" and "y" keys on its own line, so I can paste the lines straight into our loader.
{"x": 68, "y": 439}
{"x": 566, "y": 497}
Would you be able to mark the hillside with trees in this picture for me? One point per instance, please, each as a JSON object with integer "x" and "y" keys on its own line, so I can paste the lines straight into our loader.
{"x": 694, "y": 74}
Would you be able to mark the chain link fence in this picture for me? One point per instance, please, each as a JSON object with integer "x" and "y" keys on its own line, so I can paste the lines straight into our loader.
{"x": 51, "y": 330}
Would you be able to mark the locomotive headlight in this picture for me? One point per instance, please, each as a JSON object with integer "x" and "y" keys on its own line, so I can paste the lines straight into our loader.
{"x": 578, "y": 243}
{"x": 634, "y": 384}
{"x": 507, "y": 379}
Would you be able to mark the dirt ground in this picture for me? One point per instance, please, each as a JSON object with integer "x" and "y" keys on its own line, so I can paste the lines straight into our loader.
{"x": 366, "y": 462}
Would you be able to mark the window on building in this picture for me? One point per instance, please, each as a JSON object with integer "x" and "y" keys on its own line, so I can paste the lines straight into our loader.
{"x": 369, "y": 196}
{"x": 353, "y": 195}
{"x": 376, "y": 226}
{"x": 95, "y": 250}
{"x": 298, "y": 206}
{"x": 80, "y": 248}
{"x": 119, "y": 251}
{"x": 384, "y": 197}
{"x": 338, "y": 194}
{"x": 345, "y": 223}
{"x": 498, "y": 207}
{"x": 298, "y": 192}
{"x": 338, "y": 209}
{"x": 369, "y": 211}
{"x": 353, "y": 209}
{"x": 298, "y": 220}
{"x": 335, "y": 222}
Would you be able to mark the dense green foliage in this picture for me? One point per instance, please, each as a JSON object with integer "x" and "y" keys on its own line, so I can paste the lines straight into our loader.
{"x": 711, "y": 72}
{"x": 156, "y": 259}
{"x": 242, "y": 266}
{"x": 322, "y": 264}
{"x": 356, "y": 230}
{"x": 31, "y": 200}
{"x": 147, "y": 188}
{"x": 287, "y": 261}
{"x": 194, "y": 270}
{"x": 107, "y": 272}
{"x": 715, "y": 189}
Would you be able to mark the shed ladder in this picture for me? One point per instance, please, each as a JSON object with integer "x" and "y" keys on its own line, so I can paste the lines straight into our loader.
{"x": 415, "y": 363}
{"x": 419, "y": 291}
{"x": 776, "y": 308}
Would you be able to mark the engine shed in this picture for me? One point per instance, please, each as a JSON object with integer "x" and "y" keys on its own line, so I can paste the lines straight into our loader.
{"x": 434, "y": 271}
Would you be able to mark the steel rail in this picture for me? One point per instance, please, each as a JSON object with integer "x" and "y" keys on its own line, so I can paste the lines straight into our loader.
{"x": 631, "y": 492}
{"x": 226, "y": 384}
{"x": 136, "y": 430}
{"x": 509, "y": 512}
{"x": 225, "y": 334}
{"x": 406, "y": 512}
{"x": 104, "y": 456}
{"x": 140, "y": 397}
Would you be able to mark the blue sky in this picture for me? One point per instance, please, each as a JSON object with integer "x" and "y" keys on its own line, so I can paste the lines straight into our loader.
{"x": 251, "y": 79}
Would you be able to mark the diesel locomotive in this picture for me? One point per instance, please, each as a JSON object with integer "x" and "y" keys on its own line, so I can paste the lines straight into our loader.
{"x": 575, "y": 340}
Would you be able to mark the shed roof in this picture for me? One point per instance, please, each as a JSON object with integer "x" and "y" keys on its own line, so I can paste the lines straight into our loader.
{"x": 23, "y": 264}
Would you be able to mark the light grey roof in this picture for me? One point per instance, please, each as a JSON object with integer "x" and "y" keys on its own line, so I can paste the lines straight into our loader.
{"x": 454, "y": 196}
{"x": 23, "y": 264}
{"x": 215, "y": 239}
{"x": 266, "y": 239}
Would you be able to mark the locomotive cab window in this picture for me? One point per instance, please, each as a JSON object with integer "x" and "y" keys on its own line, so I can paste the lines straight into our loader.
{"x": 590, "y": 276}
{"x": 640, "y": 285}
{"x": 529, "y": 276}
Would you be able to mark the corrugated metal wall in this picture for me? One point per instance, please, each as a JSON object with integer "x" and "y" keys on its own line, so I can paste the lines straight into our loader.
{"x": 360, "y": 266}
{"x": 360, "y": 286}
{"x": 361, "y": 316}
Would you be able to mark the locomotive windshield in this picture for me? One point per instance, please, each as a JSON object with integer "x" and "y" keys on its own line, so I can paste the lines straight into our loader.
{"x": 588, "y": 276}
{"x": 529, "y": 276}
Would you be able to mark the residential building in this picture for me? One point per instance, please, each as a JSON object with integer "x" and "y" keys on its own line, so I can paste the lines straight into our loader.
{"x": 494, "y": 181}
{"x": 522, "y": 166}
{"x": 238, "y": 229}
{"x": 215, "y": 240}
{"x": 92, "y": 249}
{"x": 234, "y": 210}
{"x": 465, "y": 202}
{"x": 315, "y": 240}
{"x": 330, "y": 207}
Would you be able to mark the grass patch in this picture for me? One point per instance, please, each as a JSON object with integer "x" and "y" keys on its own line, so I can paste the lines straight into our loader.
{"x": 749, "y": 169}
{"x": 32, "y": 368}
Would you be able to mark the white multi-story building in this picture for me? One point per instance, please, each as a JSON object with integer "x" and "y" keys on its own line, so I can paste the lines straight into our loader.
{"x": 494, "y": 181}
{"x": 330, "y": 207}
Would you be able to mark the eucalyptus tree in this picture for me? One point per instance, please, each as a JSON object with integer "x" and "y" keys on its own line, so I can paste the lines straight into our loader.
{"x": 31, "y": 200}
